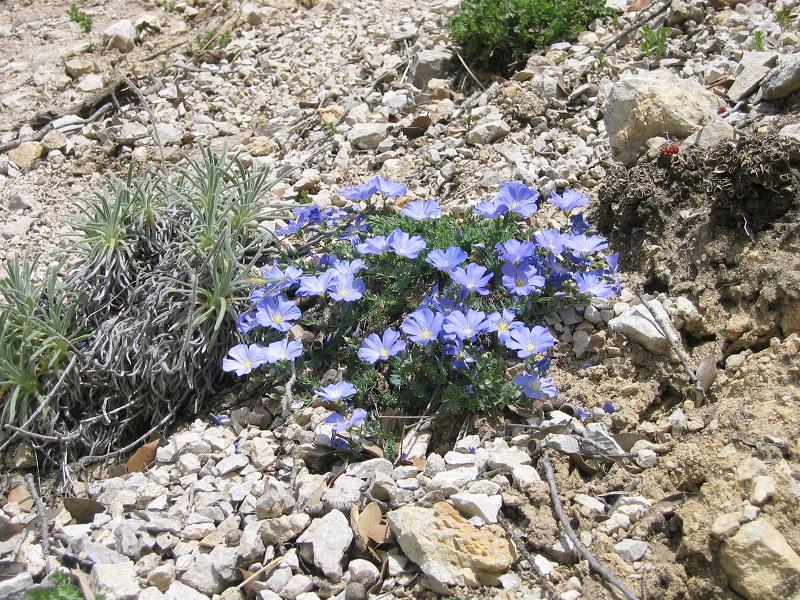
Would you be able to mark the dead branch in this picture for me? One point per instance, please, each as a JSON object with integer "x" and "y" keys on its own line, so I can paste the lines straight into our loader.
{"x": 133, "y": 87}
{"x": 43, "y": 525}
{"x": 676, "y": 348}
{"x": 644, "y": 18}
{"x": 594, "y": 564}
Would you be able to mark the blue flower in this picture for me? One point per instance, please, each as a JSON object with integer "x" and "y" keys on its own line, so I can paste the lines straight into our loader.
{"x": 608, "y": 408}
{"x": 491, "y": 209}
{"x": 514, "y": 251}
{"x": 341, "y": 424}
{"x": 461, "y": 357}
{"x": 316, "y": 285}
{"x": 472, "y": 279}
{"x": 535, "y": 387}
{"x": 422, "y": 210}
{"x": 578, "y": 224}
{"x": 589, "y": 283}
{"x": 358, "y": 193}
{"x": 404, "y": 244}
{"x": 465, "y": 326}
{"x": 422, "y": 326}
{"x": 246, "y": 322}
{"x": 283, "y": 350}
{"x": 582, "y": 244}
{"x": 503, "y": 323}
{"x": 438, "y": 303}
{"x": 278, "y": 279}
{"x": 528, "y": 342}
{"x": 446, "y": 260}
{"x": 550, "y": 239}
{"x": 333, "y": 215}
{"x": 387, "y": 187}
{"x": 541, "y": 366}
{"x": 569, "y": 200}
{"x": 377, "y": 348}
{"x": 303, "y": 217}
{"x": 374, "y": 245}
{"x": 521, "y": 280}
{"x": 612, "y": 260}
{"x": 336, "y": 391}
{"x": 347, "y": 288}
{"x": 277, "y": 312}
{"x": 378, "y": 185}
{"x": 518, "y": 198}
{"x": 242, "y": 359}
{"x": 348, "y": 268}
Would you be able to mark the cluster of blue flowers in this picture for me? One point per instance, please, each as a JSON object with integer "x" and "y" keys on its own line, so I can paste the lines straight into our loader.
{"x": 566, "y": 263}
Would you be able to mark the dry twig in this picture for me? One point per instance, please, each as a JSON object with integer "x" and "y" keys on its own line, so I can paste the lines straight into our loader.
{"x": 676, "y": 348}
{"x": 594, "y": 564}
{"x": 133, "y": 87}
{"x": 43, "y": 526}
{"x": 644, "y": 18}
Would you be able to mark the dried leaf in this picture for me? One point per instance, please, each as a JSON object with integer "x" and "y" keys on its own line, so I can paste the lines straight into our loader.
{"x": 380, "y": 533}
{"x": 142, "y": 457}
{"x": 354, "y": 514}
{"x": 669, "y": 503}
{"x": 419, "y": 463}
{"x": 372, "y": 449}
{"x": 22, "y": 496}
{"x": 84, "y": 582}
{"x": 10, "y": 569}
{"x": 638, "y": 5}
{"x": 707, "y": 372}
{"x": 9, "y": 530}
{"x": 370, "y": 517}
{"x": 417, "y": 128}
{"x": 318, "y": 493}
{"x": 627, "y": 440}
{"x": 83, "y": 510}
{"x": 249, "y": 587}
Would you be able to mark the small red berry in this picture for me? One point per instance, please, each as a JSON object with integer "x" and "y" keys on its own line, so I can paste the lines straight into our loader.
{"x": 669, "y": 149}
{"x": 721, "y": 110}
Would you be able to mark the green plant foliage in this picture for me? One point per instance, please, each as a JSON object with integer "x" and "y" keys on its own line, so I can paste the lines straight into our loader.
{"x": 441, "y": 375}
{"x": 654, "y": 41}
{"x": 40, "y": 325}
{"x": 63, "y": 589}
{"x": 144, "y": 304}
{"x": 759, "y": 41}
{"x": 784, "y": 18}
{"x": 497, "y": 34}
{"x": 84, "y": 20}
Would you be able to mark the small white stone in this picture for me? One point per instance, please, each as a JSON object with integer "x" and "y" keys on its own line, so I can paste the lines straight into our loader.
{"x": 631, "y": 550}
{"x": 478, "y": 505}
{"x": 525, "y": 477}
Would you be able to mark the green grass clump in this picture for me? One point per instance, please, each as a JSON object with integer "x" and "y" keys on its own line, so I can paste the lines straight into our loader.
{"x": 64, "y": 589}
{"x": 139, "y": 313}
{"x": 759, "y": 41}
{"x": 84, "y": 20}
{"x": 497, "y": 34}
{"x": 654, "y": 41}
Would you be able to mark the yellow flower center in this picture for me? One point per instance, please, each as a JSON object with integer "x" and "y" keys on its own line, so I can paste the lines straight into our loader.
{"x": 503, "y": 327}
{"x": 529, "y": 347}
{"x": 248, "y": 364}
{"x": 385, "y": 353}
{"x": 427, "y": 334}
{"x": 277, "y": 318}
{"x": 467, "y": 330}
